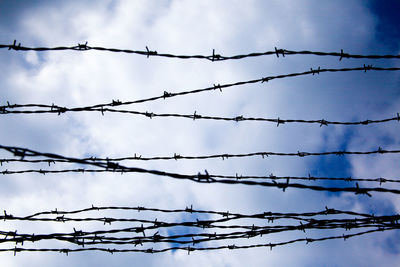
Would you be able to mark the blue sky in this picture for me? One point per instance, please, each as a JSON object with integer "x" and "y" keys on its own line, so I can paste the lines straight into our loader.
{"x": 197, "y": 27}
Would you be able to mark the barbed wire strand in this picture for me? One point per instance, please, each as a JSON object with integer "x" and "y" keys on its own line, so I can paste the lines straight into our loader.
{"x": 210, "y": 179}
{"x": 200, "y": 178}
{"x": 189, "y": 248}
{"x": 90, "y": 238}
{"x": 59, "y": 109}
{"x": 52, "y": 158}
{"x": 191, "y": 210}
{"x": 213, "y": 57}
{"x": 196, "y": 116}
{"x": 366, "y": 220}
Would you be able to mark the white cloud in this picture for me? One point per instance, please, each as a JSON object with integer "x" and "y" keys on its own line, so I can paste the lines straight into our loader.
{"x": 75, "y": 79}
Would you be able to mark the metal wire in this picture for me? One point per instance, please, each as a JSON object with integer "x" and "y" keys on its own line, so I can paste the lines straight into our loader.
{"x": 213, "y": 57}
{"x": 150, "y": 232}
{"x": 99, "y": 107}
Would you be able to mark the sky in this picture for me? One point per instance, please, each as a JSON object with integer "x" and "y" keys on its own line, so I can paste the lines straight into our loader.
{"x": 70, "y": 78}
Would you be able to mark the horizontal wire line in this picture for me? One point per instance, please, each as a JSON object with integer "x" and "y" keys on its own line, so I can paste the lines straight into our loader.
{"x": 213, "y": 57}
{"x": 105, "y": 237}
{"x": 234, "y": 177}
{"x": 200, "y": 178}
{"x": 191, "y": 210}
{"x": 196, "y": 116}
{"x": 178, "y": 156}
{"x": 202, "y": 237}
{"x": 209, "y": 179}
{"x": 189, "y": 248}
{"x": 311, "y": 223}
{"x": 59, "y": 109}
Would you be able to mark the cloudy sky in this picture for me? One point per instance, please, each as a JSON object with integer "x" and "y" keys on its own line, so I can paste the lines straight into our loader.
{"x": 70, "y": 78}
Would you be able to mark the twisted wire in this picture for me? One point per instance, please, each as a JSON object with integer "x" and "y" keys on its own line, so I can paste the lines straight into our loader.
{"x": 99, "y": 107}
{"x": 213, "y": 57}
{"x": 85, "y": 240}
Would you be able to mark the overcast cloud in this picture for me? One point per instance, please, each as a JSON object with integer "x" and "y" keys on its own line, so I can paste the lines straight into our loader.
{"x": 197, "y": 27}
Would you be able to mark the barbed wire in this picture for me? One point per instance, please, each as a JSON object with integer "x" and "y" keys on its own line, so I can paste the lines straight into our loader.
{"x": 196, "y": 116}
{"x": 207, "y": 178}
{"x": 190, "y": 241}
{"x": 53, "y": 158}
{"x": 200, "y": 178}
{"x": 98, "y": 107}
{"x": 191, "y": 210}
{"x": 150, "y": 231}
{"x": 237, "y": 176}
{"x": 95, "y": 238}
{"x": 213, "y": 57}
{"x": 190, "y": 248}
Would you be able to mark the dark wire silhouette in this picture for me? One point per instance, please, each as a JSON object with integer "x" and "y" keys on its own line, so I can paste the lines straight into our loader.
{"x": 45, "y": 108}
{"x": 196, "y": 116}
{"x": 108, "y": 165}
{"x": 150, "y": 233}
{"x": 213, "y": 57}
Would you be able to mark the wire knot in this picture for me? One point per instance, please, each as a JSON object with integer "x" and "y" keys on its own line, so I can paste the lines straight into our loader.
{"x": 60, "y": 219}
{"x": 217, "y": 86}
{"x": 381, "y": 151}
{"x": 361, "y": 191}
{"x": 239, "y": 118}
{"x": 7, "y": 216}
{"x": 340, "y": 153}
{"x": 204, "y": 176}
{"x": 149, "y": 114}
{"x": 196, "y": 116}
{"x": 279, "y": 51}
{"x": 116, "y": 103}
{"x": 329, "y": 211}
{"x": 190, "y": 249}
{"x": 266, "y": 79}
{"x": 279, "y": 121}
{"x": 189, "y": 209}
{"x": 302, "y": 154}
{"x": 215, "y": 56}
{"x": 83, "y": 46}
{"x": 232, "y": 246}
{"x": 166, "y": 94}
{"x": 323, "y": 122}
{"x": 61, "y": 110}
{"x": 315, "y": 71}
{"x": 381, "y": 180}
{"x": 150, "y": 53}
{"x": 342, "y": 55}
{"x": 14, "y": 46}
{"x": 367, "y": 67}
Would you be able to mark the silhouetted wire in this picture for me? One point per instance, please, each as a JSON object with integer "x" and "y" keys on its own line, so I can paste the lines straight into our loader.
{"x": 379, "y": 180}
{"x": 98, "y": 237}
{"x": 105, "y": 237}
{"x": 190, "y": 248}
{"x": 200, "y": 178}
{"x": 196, "y": 116}
{"x": 53, "y": 158}
{"x": 213, "y": 57}
{"x": 210, "y": 179}
{"x": 191, "y": 210}
{"x": 59, "y": 109}
{"x": 86, "y": 239}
